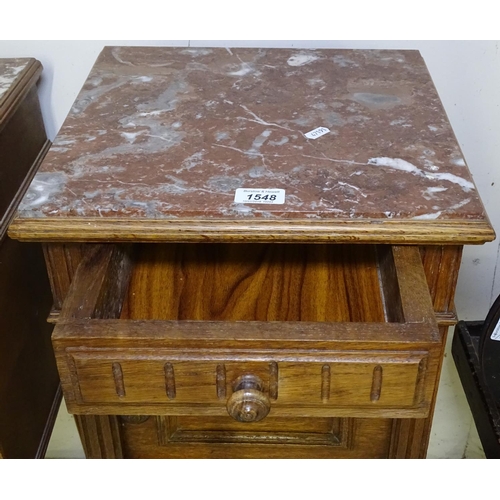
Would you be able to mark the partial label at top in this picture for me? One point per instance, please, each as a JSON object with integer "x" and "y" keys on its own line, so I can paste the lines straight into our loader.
{"x": 496, "y": 332}
{"x": 317, "y": 132}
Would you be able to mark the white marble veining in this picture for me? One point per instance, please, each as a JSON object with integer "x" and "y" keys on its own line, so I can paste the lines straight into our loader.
{"x": 162, "y": 133}
{"x": 10, "y": 71}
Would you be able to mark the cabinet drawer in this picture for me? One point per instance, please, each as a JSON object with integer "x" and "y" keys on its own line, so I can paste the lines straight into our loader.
{"x": 289, "y": 331}
{"x": 392, "y": 379}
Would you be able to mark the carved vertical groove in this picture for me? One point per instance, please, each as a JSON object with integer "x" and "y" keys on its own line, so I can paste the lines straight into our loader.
{"x": 74, "y": 380}
{"x": 376, "y": 383}
{"x": 118, "y": 376}
{"x": 273, "y": 380}
{"x": 422, "y": 369}
{"x": 169, "y": 380}
{"x": 100, "y": 435}
{"x": 220, "y": 379}
{"x": 325, "y": 382}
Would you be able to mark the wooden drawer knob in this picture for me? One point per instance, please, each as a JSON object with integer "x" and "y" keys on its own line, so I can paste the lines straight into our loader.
{"x": 248, "y": 403}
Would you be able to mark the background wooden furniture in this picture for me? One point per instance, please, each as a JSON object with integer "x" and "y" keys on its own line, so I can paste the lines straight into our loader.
{"x": 483, "y": 405}
{"x": 312, "y": 328}
{"x": 29, "y": 383}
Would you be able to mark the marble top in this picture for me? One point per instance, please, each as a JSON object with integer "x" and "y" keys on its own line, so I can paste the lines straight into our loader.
{"x": 10, "y": 73}
{"x": 162, "y": 133}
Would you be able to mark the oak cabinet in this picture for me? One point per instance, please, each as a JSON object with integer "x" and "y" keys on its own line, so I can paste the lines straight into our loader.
{"x": 191, "y": 321}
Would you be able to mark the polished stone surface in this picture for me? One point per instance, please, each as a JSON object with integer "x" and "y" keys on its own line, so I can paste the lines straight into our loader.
{"x": 10, "y": 73}
{"x": 160, "y": 133}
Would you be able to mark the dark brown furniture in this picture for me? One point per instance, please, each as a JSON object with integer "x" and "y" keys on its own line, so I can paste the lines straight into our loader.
{"x": 197, "y": 319}
{"x": 485, "y": 409}
{"x": 29, "y": 383}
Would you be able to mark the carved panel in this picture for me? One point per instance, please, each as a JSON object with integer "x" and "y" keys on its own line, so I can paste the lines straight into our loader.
{"x": 336, "y": 432}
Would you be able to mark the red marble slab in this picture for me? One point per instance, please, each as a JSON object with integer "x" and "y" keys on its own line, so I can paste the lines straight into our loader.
{"x": 11, "y": 72}
{"x": 170, "y": 133}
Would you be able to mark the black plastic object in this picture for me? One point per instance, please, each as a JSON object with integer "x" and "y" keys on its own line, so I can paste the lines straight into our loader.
{"x": 489, "y": 351}
{"x": 486, "y": 414}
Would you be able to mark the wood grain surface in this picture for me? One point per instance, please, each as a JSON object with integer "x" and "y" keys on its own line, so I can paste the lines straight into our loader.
{"x": 29, "y": 383}
{"x": 146, "y": 340}
{"x": 382, "y": 231}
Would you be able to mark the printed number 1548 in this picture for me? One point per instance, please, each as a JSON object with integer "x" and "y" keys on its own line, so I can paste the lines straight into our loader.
{"x": 258, "y": 197}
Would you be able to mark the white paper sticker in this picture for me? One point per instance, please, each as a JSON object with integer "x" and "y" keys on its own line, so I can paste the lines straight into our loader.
{"x": 496, "y": 332}
{"x": 268, "y": 196}
{"x": 317, "y": 132}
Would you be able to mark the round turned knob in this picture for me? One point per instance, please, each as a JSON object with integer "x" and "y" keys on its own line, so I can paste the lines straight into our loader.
{"x": 248, "y": 403}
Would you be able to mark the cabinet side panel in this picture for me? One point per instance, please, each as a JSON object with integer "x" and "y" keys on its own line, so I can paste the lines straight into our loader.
{"x": 441, "y": 267}
{"x": 410, "y": 437}
{"x": 29, "y": 383}
{"x": 62, "y": 260}
{"x": 28, "y": 376}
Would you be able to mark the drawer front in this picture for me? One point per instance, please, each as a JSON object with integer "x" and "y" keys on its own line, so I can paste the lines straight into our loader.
{"x": 143, "y": 381}
{"x": 372, "y": 380}
{"x": 353, "y": 349}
